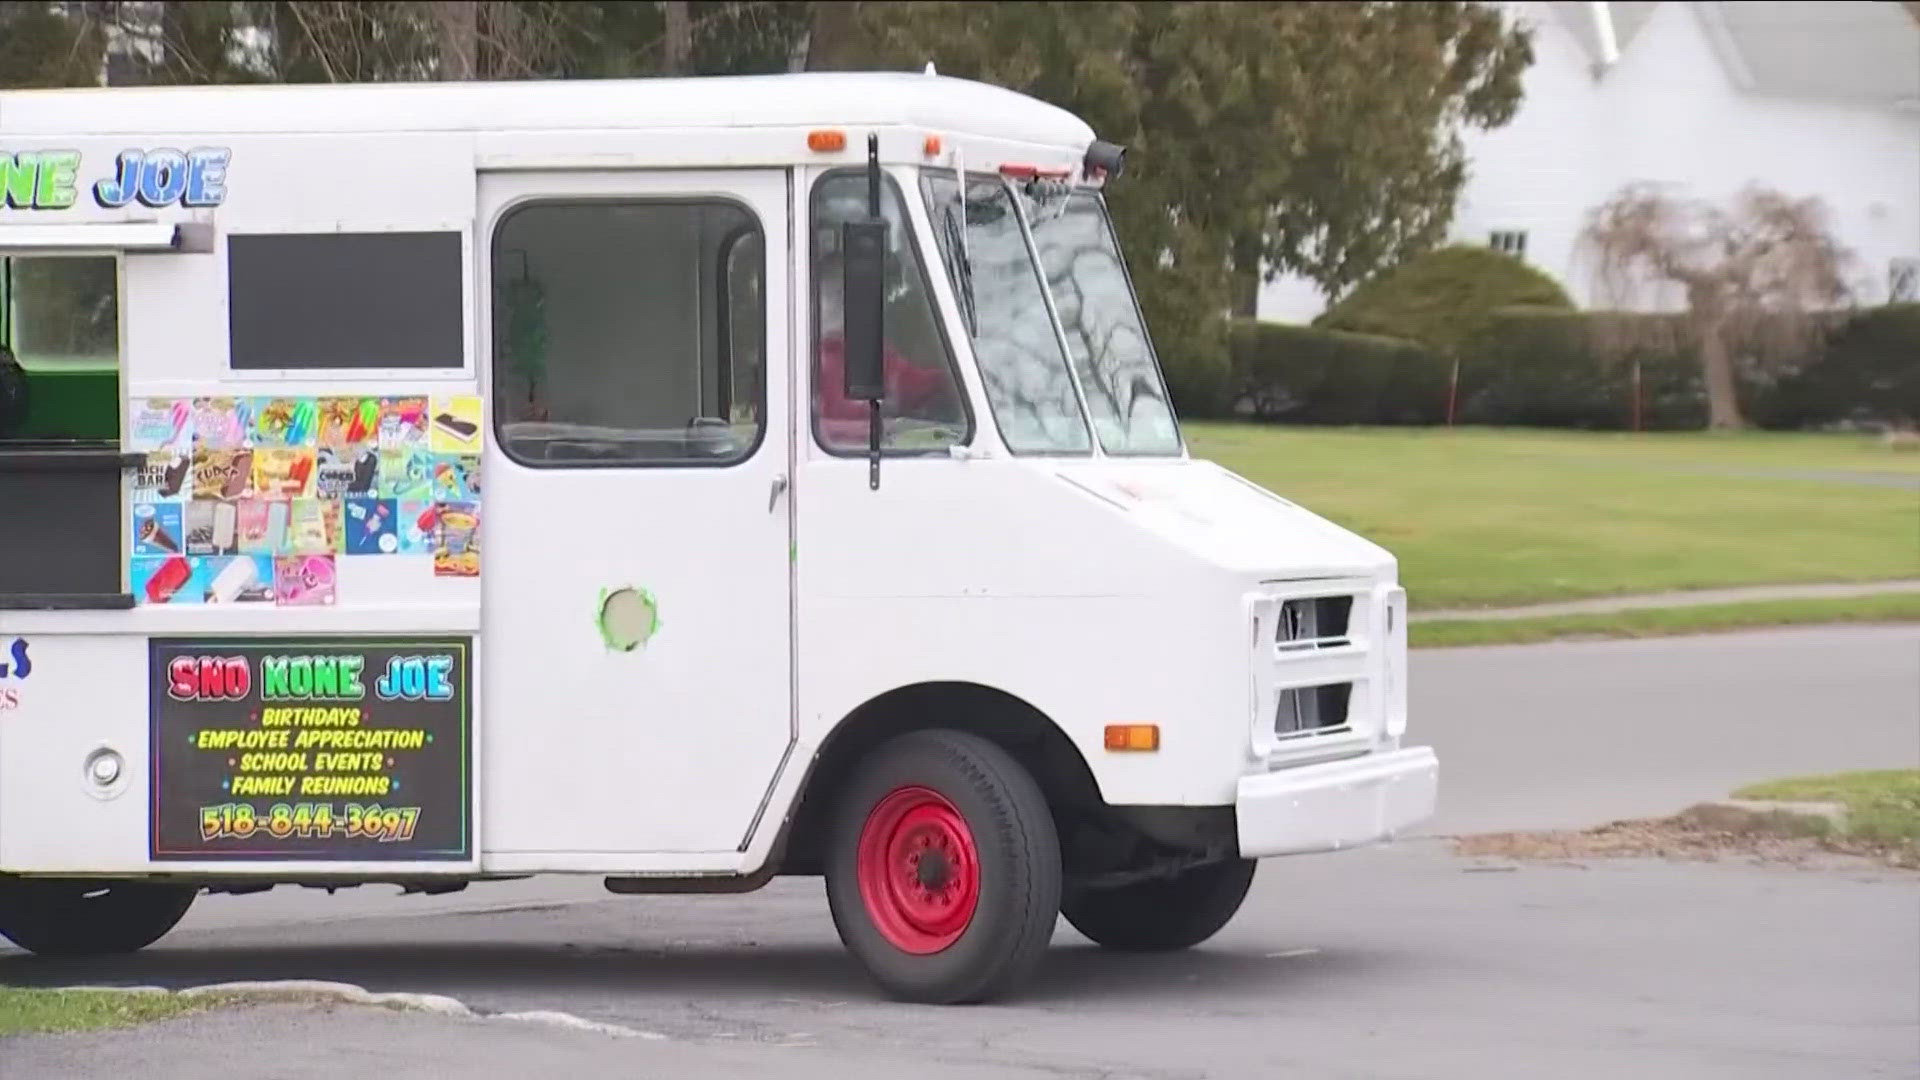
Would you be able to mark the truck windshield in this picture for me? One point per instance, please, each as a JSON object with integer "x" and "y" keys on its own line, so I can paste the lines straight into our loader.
{"x": 1004, "y": 304}
{"x": 1109, "y": 368}
{"x": 1112, "y": 355}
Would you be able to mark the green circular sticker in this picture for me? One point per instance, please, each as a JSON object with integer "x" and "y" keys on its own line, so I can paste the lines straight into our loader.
{"x": 628, "y": 617}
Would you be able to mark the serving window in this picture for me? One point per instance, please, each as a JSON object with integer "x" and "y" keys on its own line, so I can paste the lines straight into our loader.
{"x": 61, "y": 465}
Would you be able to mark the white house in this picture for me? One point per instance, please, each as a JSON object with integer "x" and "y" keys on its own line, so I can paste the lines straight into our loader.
{"x": 1811, "y": 98}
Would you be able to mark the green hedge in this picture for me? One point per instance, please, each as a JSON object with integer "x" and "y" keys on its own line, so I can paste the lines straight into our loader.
{"x": 1302, "y": 374}
{"x": 1870, "y": 372}
{"x": 1444, "y": 298}
{"x": 1530, "y": 367}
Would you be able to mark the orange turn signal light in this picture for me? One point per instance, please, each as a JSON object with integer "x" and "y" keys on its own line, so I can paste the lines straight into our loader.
{"x": 826, "y": 141}
{"x": 1133, "y": 736}
{"x": 931, "y": 147}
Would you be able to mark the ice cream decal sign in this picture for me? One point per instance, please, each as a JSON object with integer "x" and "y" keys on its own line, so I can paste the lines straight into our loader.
{"x": 311, "y": 748}
{"x": 303, "y": 678}
{"x": 50, "y": 179}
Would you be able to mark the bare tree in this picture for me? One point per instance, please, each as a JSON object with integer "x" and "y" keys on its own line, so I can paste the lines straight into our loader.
{"x": 678, "y": 38}
{"x": 457, "y": 26}
{"x": 1757, "y": 277}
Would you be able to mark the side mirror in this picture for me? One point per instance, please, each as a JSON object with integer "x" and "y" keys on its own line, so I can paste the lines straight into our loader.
{"x": 864, "y": 264}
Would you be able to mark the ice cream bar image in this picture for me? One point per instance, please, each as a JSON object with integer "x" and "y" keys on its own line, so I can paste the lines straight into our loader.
{"x": 365, "y": 419}
{"x": 374, "y": 519}
{"x": 300, "y": 425}
{"x": 236, "y": 484}
{"x": 175, "y": 476}
{"x": 238, "y": 576}
{"x": 458, "y": 428}
{"x": 277, "y": 515}
{"x": 226, "y": 526}
{"x": 167, "y": 580}
{"x": 299, "y": 471}
{"x": 364, "y": 469}
{"x": 182, "y": 412}
{"x": 151, "y": 533}
{"x": 426, "y": 519}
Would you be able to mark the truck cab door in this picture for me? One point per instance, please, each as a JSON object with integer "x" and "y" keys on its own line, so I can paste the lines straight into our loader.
{"x": 637, "y": 685}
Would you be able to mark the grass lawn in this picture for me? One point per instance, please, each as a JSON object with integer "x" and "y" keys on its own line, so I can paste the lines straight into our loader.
{"x": 1662, "y": 622}
{"x": 28, "y": 1012}
{"x": 1486, "y": 517}
{"x": 1881, "y": 806}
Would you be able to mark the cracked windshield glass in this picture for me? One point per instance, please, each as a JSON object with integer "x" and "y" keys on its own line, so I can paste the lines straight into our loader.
{"x": 993, "y": 273}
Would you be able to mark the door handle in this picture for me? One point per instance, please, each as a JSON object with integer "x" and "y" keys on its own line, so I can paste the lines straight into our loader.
{"x": 774, "y": 493}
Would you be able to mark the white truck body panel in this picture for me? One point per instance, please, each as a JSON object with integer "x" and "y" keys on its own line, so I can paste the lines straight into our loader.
{"x": 1099, "y": 590}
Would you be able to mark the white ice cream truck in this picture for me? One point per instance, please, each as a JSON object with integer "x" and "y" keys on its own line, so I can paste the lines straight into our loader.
{"x": 680, "y": 482}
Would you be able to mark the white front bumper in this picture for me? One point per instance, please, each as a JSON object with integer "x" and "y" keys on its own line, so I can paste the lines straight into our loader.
{"x": 1337, "y": 805}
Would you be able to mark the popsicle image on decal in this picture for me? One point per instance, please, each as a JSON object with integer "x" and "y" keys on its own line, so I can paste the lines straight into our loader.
{"x": 163, "y": 477}
{"x": 232, "y": 579}
{"x": 161, "y": 424}
{"x": 226, "y": 528}
{"x": 164, "y": 581}
{"x": 403, "y": 423}
{"x": 456, "y": 424}
{"x": 370, "y": 527}
{"x": 157, "y": 529}
{"x": 303, "y": 580}
{"x": 283, "y": 473}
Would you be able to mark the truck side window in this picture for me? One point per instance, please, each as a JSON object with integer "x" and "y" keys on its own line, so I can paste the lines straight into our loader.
{"x": 924, "y": 410}
{"x": 321, "y": 301}
{"x": 629, "y": 332}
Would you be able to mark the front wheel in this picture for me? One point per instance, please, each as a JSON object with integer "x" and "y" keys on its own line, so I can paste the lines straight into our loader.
{"x": 1165, "y": 913}
{"x": 89, "y": 918}
{"x": 944, "y": 873}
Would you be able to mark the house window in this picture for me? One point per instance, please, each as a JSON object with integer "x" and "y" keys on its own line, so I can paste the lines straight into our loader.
{"x": 1903, "y": 281}
{"x": 1511, "y": 241}
{"x": 629, "y": 333}
{"x": 323, "y": 301}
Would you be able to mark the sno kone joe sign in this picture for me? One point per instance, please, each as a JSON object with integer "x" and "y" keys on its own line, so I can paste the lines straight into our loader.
{"x": 51, "y": 179}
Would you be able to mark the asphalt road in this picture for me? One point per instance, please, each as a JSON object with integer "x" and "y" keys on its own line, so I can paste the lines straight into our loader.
{"x": 1395, "y": 962}
{"x": 1569, "y": 735}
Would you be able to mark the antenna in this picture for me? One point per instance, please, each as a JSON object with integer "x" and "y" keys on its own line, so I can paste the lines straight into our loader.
{"x": 930, "y": 70}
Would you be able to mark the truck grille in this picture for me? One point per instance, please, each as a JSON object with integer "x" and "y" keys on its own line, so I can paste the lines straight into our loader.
{"x": 1312, "y": 710}
{"x": 1315, "y": 622}
{"x": 1324, "y": 675}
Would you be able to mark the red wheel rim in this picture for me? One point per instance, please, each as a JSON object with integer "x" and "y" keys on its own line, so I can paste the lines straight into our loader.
{"x": 919, "y": 871}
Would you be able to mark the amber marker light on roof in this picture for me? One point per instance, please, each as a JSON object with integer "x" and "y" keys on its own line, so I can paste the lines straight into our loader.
{"x": 932, "y": 146}
{"x": 826, "y": 141}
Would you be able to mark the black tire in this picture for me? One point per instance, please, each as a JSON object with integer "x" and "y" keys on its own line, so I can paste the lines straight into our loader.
{"x": 1015, "y": 847}
{"x": 89, "y": 918}
{"x": 1167, "y": 913}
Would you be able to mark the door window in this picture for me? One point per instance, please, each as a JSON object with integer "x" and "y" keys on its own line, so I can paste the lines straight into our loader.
{"x": 924, "y": 410}
{"x": 629, "y": 333}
